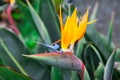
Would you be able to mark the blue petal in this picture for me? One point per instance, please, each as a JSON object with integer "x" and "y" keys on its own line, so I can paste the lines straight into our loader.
{"x": 53, "y": 47}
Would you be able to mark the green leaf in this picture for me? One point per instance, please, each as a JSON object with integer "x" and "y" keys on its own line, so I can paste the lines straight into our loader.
{"x": 117, "y": 57}
{"x": 109, "y": 66}
{"x": 1, "y": 62}
{"x": 98, "y": 39}
{"x": 56, "y": 74}
{"x": 75, "y": 75}
{"x": 97, "y": 53}
{"x": 7, "y": 73}
{"x": 80, "y": 47}
{"x": 91, "y": 59}
{"x": 99, "y": 72}
{"x": 12, "y": 58}
{"x": 36, "y": 5}
{"x": 66, "y": 74}
{"x": 40, "y": 25}
{"x": 110, "y": 31}
{"x": 13, "y": 45}
{"x": 29, "y": 32}
{"x": 49, "y": 16}
{"x": 26, "y": 24}
{"x": 57, "y": 4}
{"x": 34, "y": 69}
{"x": 85, "y": 74}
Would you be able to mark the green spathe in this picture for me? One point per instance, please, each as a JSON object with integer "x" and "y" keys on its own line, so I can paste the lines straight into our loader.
{"x": 64, "y": 60}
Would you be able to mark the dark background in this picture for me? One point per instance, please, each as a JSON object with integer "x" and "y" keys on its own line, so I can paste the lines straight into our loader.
{"x": 105, "y": 9}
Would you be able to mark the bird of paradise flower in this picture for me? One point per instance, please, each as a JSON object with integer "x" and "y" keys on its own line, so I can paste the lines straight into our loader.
{"x": 72, "y": 31}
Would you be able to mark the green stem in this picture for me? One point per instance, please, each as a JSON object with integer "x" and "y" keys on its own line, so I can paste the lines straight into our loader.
{"x": 13, "y": 59}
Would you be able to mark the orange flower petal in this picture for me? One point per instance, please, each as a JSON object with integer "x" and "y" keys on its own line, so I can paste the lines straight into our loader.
{"x": 80, "y": 30}
{"x": 72, "y": 31}
{"x": 70, "y": 25}
{"x": 65, "y": 34}
{"x": 74, "y": 24}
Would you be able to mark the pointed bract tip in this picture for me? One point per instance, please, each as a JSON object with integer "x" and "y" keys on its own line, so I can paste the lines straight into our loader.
{"x": 88, "y": 8}
{"x": 29, "y": 56}
{"x": 93, "y": 21}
